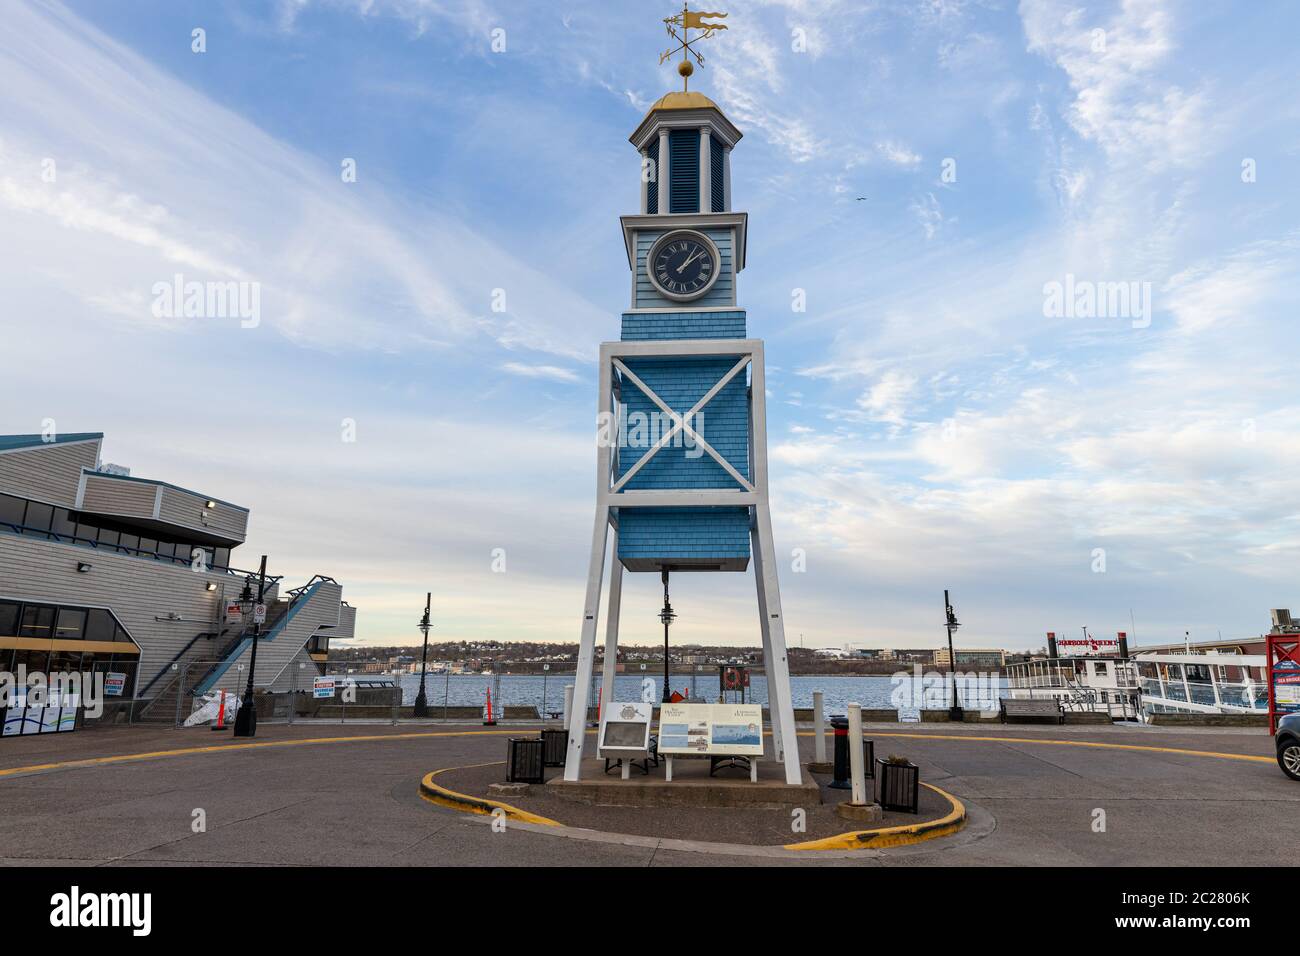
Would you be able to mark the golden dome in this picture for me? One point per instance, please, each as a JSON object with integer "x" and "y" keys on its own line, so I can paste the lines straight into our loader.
{"x": 683, "y": 101}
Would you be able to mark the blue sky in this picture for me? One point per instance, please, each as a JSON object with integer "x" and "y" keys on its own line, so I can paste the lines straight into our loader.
{"x": 930, "y": 426}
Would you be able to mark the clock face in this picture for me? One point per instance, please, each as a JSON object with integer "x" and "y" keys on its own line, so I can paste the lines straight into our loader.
{"x": 683, "y": 265}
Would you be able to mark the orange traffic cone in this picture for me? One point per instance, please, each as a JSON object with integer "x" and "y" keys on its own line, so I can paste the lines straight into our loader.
{"x": 221, "y": 714}
{"x": 489, "y": 721}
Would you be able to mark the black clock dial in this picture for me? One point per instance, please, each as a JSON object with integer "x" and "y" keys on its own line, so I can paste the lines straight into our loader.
{"x": 683, "y": 266}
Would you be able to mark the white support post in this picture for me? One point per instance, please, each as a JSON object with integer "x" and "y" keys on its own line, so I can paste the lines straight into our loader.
{"x": 586, "y": 648}
{"x": 595, "y": 576}
{"x": 568, "y": 703}
{"x": 706, "y": 172}
{"x": 779, "y": 666}
{"x": 857, "y": 774}
{"x": 611, "y": 625}
{"x": 664, "y": 172}
{"x": 726, "y": 179}
{"x": 819, "y": 726}
{"x": 646, "y": 184}
{"x": 774, "y": 693}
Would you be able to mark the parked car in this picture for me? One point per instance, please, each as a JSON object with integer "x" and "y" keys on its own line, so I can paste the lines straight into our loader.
{"x": 1288, "y": 745}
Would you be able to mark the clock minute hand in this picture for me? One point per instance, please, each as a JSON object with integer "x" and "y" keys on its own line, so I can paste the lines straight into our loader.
{"x": 690, "y": 259}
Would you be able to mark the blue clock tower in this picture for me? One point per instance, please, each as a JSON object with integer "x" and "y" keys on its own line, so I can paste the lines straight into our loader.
{"x": 681, "y": 480}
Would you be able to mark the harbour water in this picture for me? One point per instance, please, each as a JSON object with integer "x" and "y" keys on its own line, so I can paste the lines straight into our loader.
{"x": 546, "y": 692}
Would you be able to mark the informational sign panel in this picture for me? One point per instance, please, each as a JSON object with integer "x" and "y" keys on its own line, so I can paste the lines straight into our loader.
{"x": 322, "y": 687}
{"x": 59, "y": 715}
{"x": 711, "y": 729}
{"x": 114, "y": 684}
{"x": 625, "y": 728}
{"x": 1283, "y": 677}
{"x": 259, "y": 613}
{"x": 234, "y": 613}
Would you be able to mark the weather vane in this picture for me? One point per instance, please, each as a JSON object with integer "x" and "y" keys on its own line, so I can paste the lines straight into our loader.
{"x": 689, "y": 20}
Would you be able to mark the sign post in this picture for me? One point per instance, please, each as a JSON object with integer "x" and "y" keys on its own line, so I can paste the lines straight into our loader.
{"x": 1283, "y": 659}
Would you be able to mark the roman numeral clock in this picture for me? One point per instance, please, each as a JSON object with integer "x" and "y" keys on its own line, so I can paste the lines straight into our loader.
{"x": 689, "y": 494}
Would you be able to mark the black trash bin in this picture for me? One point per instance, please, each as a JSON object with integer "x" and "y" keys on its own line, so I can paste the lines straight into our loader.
{"x": 900, "y": 785}
{"x": 525, "y": 760}
{"x": 555, "y": 741}
{"x": 840, "y": 777}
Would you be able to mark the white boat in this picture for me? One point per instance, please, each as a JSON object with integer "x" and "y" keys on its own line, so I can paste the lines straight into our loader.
{"x": 1083, "y": 684}
{"x": 1134, "y": 688}
{"x": 1210, "y": 683}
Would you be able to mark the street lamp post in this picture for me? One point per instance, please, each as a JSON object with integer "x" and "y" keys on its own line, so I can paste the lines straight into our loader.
{"x": 421, "y": 708}
{"x": 950, "y": 619}
{"x": 246, "y": 718}
{"x": 667, "y": 616}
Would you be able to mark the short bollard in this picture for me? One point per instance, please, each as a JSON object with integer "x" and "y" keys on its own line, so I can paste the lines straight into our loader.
{"x": 819, "y": 727}
{"x": 840, "y": 781}
{"x": 856, "y": 772}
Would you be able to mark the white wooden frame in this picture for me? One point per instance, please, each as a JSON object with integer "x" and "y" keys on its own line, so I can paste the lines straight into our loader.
{"x": 611, "y": 493}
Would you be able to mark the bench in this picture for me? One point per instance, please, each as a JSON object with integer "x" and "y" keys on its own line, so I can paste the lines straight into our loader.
{"x": 1044, "y": 708}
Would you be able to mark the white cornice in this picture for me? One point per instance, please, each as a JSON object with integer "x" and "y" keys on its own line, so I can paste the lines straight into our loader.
{"x": 722, "y": 127}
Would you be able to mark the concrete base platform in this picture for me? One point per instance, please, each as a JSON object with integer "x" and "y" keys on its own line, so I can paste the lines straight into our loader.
{"x": 691, "y": 787}
{"x": 860, "y": 812}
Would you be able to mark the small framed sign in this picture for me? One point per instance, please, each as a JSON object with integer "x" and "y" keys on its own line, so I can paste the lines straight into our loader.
{"x": 625, "y": 729}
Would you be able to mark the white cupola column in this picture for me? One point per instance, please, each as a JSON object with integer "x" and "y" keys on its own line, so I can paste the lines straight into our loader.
{"x": 726, "y": 179}
{"x": 706, "y": 172}
{"x": 645, "y": 185}
{"x": 664, "y": 172}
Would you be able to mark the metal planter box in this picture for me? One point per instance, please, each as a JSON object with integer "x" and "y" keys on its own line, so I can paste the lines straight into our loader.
{"x": 555, "y": 743}
{"x": 900, "y": 785}
{"x": 524, "y": 761}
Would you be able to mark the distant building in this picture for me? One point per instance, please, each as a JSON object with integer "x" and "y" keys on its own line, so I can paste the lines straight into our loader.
{"x": 104, "y": 572}
{"x": 972, "y": 657}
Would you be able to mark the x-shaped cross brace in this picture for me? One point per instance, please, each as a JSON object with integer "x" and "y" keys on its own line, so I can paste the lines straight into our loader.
{"x": 680, "y": 423}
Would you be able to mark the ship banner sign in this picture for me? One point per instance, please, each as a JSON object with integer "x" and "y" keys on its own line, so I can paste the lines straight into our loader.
{"x": 707, "y": 730}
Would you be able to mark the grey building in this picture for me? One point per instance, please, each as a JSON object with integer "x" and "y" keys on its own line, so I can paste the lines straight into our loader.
{"x": 104, "y": 572}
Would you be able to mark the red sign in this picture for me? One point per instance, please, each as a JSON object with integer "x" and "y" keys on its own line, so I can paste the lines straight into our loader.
{"x": 1283, "y": 677}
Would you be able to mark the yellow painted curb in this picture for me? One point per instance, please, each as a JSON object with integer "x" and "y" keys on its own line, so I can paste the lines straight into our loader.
{"x": 904, "y": 835}
{"x": 444, "y": 797}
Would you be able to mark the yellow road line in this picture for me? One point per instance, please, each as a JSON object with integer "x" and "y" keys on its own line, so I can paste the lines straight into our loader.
{"x": 443, "y": 796}
{"x": 221, "y": 748}
{"x": 216, "y": 748}
{"x": 904, "y": 835}
{"x": 1052, "y": 742}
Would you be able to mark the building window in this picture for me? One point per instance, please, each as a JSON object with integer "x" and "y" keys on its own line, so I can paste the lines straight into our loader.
{"x": 108, "y": 538}
{"x": 37, "y": 621}
{"x": 64, "y": 524}
{"x": 717, "y": 174}
{"x": 38, "y": 516}
{"x": 11, "y": 509}
{"x": 70, "y": 624}
{"x": 100, "y": 625}
{"x": 8, "y": 619}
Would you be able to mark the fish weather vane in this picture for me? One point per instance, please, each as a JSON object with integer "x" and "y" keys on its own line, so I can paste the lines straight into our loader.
{"x": 687, "y": 21}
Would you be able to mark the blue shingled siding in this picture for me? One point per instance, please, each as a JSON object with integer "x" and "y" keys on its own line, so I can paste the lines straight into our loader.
{"x": 722, "y": 293}
{"x": 638, "y": 326}
{"x": 684, "y": 180}
{"x": 683, "y": 534}
{"x": 681, "y": 381}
